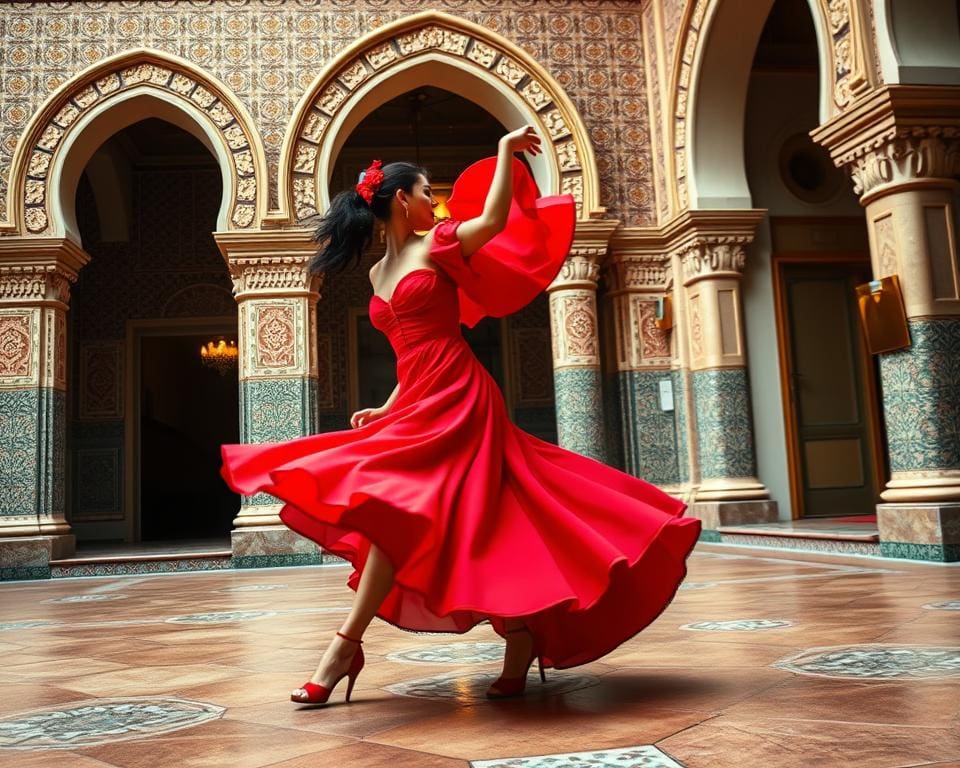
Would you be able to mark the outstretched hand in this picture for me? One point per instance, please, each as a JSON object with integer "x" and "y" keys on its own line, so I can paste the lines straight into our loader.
{"x": 523, "y": 139}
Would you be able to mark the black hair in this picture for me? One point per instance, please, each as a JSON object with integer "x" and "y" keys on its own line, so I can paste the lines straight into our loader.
{"x": 346, "y": 229}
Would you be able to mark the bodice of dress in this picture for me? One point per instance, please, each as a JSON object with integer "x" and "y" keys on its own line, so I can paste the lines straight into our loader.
{"x": 423, "y": 308}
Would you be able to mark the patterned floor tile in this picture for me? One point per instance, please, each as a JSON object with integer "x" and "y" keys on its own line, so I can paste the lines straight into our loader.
{"x": 738, "y": 625}
{"x": 467, "y": 687}
{"x": 450, "y": 653}
{"x": 946, "y": 605}
{"x": 876, "y": 662}
{"x": 102, "y": 721}
{"x": 631, "y": 757}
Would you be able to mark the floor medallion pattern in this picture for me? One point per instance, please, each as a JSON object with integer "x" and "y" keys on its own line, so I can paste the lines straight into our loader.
{"x": 629, "y": 757}
{"x": 255, "y": 588}
{"x": 738, "y": 625}
{"x": 101, "y": 721}
{"x": 10, "y": 626}
{"x": 946, "y": 605}
{"x": 98, "y": 598}
{"x": 687, "y": 585}
{"x": 219, "y": 617}
{"x": 876, "y": 662}
{"x": 451, "y": 653}
{"x": 469, "y": 687}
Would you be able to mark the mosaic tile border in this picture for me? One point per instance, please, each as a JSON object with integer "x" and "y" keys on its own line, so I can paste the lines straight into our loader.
{"x": 25, "y": 573}
{"x": 140, "y": 566}
{"x": 710, "y": 537}
{"x": 803, "y": 545}
{"x": 277, "y": 561}
{"x": 928, "y": 553}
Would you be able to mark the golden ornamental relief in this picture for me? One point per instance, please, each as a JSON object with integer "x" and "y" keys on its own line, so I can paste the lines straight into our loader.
{"x": 46, "y": 139}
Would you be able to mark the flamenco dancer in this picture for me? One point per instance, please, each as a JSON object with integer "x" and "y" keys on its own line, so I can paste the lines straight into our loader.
{"x": 449, "y": 513}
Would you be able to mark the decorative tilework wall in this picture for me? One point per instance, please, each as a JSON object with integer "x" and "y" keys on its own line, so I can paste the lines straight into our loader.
{"x": 724, "y": 429}
{"x": 921, "y": 398}
{"x": 680, "y": 419}
{"x": 277, "y": 409}
{"x": 615, "y": 428}
{"x": 19, "y": 422}
{"x": 579, "y": 400}
{"x": 268, "y": 53}
{"x": 650, "y": 440}
{"x": 51, "y": 459}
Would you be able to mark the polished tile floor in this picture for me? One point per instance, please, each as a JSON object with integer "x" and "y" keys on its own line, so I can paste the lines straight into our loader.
{"x": 764, "y": 659}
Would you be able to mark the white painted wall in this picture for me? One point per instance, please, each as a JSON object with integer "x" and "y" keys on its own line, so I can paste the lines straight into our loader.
{"x": 779, "y": 105}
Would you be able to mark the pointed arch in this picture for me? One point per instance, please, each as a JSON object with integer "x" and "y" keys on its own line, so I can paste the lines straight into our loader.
{"x": 428, "y": 48}
{"x": 105, "y": 98}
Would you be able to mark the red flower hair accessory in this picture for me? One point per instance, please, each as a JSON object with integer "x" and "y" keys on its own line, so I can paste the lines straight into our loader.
{"x": 370, "y": 181}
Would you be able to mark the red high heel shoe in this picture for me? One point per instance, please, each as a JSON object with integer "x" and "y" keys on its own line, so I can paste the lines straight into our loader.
{"x": 507, "y": 687}
{"x": 311, "y": 693}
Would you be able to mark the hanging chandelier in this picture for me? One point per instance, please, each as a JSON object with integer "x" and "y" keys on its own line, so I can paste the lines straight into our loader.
{"x": 220, "y": 355}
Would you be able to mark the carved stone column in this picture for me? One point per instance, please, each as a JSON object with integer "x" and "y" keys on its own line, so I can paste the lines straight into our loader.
{"x": 901, "y": 146}
{"x": 637, "y": 276}
{"x": 576, "y": 342}
{"x": 709, "y": 257}
{"x": 277, "y": 341}
{"x": 35, "y": 278}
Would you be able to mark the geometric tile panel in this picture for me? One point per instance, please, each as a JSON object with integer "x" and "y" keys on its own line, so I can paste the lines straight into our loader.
{"x": 97, "y": 476}
{"x": 876, "y": 662}
{"x": 724, "y": 428}
{"x": 921, "y": 398}
{"x": 101, "y": 721}
{"x": 277, "y": 409}
{"x": 680, "y": 417}
{"x": 451, "y": 653}
{"x": 740, "y": 625}
{"x": 646, "y": 756}
{"x": 651, "y": 434}
{"x": 19, "y": 420}
{"x": 580, "y": 411}
{"x": 473, "y": 686}
{"x": 614, "y": 428}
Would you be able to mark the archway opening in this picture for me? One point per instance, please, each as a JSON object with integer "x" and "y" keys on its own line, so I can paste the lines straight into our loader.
{"x": 818, "y": 434}
{"x": 445, "y": 133}
{"x": 147, "y": 415}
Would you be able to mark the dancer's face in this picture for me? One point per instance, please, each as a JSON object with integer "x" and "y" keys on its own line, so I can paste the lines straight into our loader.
{"x": 420, "y": 204}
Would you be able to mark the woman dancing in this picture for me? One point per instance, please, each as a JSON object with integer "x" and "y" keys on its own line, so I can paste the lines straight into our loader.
{"x": 449, "y": 513}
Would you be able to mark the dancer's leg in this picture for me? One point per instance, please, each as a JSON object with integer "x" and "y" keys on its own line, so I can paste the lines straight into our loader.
{"x": 519, "y": 646}
{"x": 375, "y": 583}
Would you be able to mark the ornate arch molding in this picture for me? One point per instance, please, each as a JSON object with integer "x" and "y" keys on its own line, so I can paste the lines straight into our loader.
{"x": 50, "y": 134}
{"x": 436, "y": 38}
{"x": 846, "y": 71}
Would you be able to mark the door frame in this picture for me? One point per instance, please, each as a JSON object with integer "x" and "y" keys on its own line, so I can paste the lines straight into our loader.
{"x": 137, "y": 330}
{"x": 785, "y": 353}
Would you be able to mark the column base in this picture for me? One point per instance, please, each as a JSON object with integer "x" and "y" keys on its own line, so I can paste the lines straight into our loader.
{"x": 715, "y": 514}
{"x": 272, "y": 546}
{"x": 28, "y": 557}
{"x": 926, "y": 532}
{"x": 732, "y": 489}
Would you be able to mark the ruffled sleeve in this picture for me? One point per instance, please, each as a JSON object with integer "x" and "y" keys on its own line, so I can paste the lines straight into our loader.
{"x": 515, "y": 266}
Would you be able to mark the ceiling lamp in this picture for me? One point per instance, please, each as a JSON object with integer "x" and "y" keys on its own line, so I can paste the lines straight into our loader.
{"x": 220, "y": 355}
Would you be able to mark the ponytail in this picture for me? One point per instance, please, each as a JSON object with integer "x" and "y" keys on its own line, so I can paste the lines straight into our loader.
{"x": 346, "y": 229}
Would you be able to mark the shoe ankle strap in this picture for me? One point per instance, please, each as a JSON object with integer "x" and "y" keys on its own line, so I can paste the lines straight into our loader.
{"x": 518, "y": 629}
{"x": 351, "y": 639}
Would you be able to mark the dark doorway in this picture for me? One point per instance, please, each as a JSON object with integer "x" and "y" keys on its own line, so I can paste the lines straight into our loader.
{"x": 187, "y": 411}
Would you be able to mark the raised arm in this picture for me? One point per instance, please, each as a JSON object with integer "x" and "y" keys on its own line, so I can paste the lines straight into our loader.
{"x": 474, "y": 233}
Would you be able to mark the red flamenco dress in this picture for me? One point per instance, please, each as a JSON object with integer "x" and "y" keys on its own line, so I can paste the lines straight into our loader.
{"x": 480, "y": 520}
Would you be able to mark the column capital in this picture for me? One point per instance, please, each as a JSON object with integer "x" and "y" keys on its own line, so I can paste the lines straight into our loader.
{"x": 711, "y": 243}
{"x": 638, "y": 262}
{"x": 591, "y": 240}
{"x": 269, "y": 263}
{"x": 37, "y": 270}
{"x": 894, "y": 135}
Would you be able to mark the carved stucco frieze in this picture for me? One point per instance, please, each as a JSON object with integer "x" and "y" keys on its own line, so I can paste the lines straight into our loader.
{"x": 237, "y": 138}
{"x": 35, "y": 282}
{"x": 271, "y": 275}
{"x": 633, "y": 274}
{"x": 334, "y": 95}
